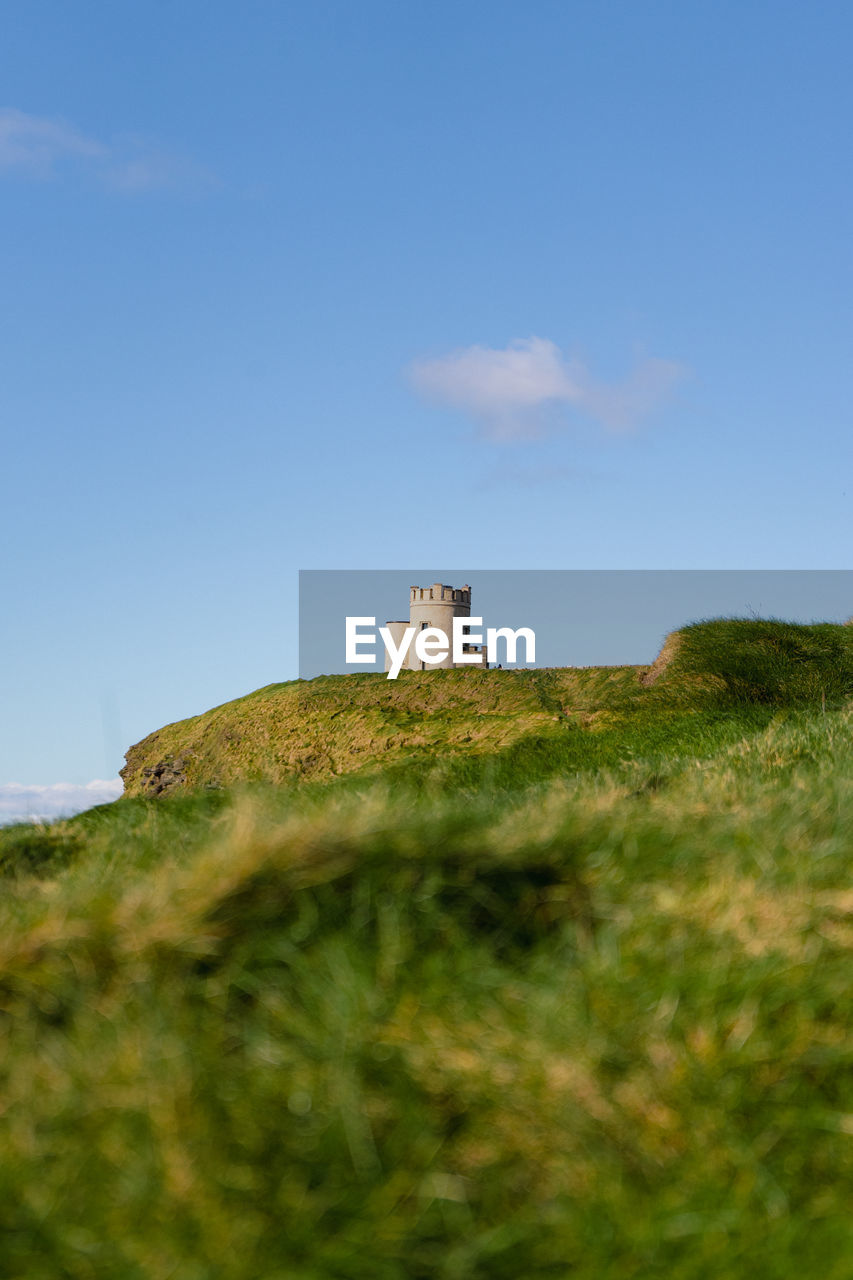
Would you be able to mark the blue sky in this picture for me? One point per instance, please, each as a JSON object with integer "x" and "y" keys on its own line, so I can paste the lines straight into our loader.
{"x": 555, "y": 285}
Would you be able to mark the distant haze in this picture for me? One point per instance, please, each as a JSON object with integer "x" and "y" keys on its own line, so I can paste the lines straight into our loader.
{"x": 56, "y": 800}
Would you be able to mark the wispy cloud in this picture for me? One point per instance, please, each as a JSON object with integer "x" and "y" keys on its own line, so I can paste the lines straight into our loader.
{"x": 20, "y": 803}
{"x": 515, "y": 392}
{"x": 35, "y": 145}
{"x": 40, "y": 147}
{"x": 139, "y": 164}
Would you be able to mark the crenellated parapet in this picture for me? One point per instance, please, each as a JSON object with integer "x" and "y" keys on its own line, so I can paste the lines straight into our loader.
{"x": 436, "y": 607}
{"x": 439, "y": 592}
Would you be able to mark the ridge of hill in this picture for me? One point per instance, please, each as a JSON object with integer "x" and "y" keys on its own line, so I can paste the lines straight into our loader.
{"x": 713, "y": 681}
{"x": 310, "y": 730}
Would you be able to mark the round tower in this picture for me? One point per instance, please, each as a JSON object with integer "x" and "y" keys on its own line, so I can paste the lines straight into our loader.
{"x": 437, "y": 606}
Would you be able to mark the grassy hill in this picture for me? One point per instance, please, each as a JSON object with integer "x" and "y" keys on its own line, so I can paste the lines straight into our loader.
{"x": 713, "y": 681}
{"x": 487, "y": 975}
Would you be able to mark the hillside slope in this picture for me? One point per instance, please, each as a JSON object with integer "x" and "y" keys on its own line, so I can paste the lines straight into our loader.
{"x": 476, "y": 1007}
{"x": 713, "y": 681}
{"x": 341, "y": 724}
{"x": 597, "y": 1027}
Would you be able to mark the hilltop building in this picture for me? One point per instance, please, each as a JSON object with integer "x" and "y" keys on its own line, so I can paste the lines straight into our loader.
{"x": 436, "y": 606}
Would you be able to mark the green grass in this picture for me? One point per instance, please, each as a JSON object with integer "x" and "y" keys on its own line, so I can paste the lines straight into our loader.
{"x": 725, "y": 677}
{"x": 546, "y": 1010}
{"x": 769, "y": 661}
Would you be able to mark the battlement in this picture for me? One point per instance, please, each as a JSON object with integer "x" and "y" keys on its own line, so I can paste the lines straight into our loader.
{"x": 440, "y": 592}
{"x": 437, "y": 608}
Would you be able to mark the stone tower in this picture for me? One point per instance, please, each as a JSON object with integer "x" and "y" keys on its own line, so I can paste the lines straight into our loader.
{"x": 435, "y": 606}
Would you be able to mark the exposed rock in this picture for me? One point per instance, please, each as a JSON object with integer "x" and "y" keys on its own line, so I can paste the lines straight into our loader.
{"x": 165, "y": 776}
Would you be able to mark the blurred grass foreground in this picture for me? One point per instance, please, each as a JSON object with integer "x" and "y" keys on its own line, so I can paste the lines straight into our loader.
{"x": 557, "y": 984}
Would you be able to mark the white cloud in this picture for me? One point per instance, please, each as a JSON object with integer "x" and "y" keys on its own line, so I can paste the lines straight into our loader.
{"x": 141, "y": 164}
{"x": 34, "y": 144}
{"x": 19, "y": 803}
{"x": 39, "y": 147}
{"x": 515, "y": 391}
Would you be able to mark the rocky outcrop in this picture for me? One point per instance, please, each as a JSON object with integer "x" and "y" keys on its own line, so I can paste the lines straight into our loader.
{"x": 165, "y": 776}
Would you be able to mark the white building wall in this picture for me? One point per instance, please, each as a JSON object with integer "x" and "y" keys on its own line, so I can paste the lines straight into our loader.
{"x": 434, "y": 606}
{"x": 437, "y": 606}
